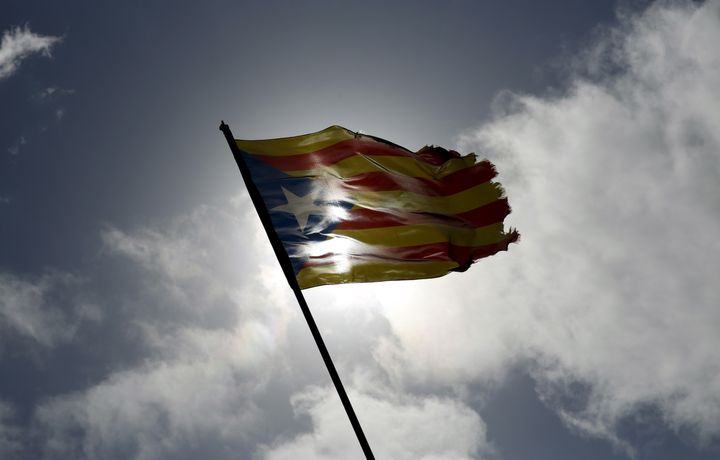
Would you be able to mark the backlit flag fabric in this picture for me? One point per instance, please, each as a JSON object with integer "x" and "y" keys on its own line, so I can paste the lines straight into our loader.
{"x": 349, "y": 207}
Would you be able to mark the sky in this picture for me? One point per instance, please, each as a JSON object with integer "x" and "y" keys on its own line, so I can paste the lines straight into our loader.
{"x": 142, "y": 313}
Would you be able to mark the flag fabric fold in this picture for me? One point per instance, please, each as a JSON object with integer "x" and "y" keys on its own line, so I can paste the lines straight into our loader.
{"x": 350, "y": 207}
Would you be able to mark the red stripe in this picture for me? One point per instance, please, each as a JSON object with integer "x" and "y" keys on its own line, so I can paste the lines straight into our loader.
{"x": 362, "y": 218}
{"x": 488, "y": 214}
{"x": 436, "y": 155}
{"x": 458, "y": 181}
{"x": 463, "y": 255}
{"x": 333, "y": 154}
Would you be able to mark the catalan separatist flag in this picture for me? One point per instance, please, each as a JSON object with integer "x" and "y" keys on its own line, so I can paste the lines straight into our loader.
{"x": 349, "y": 207}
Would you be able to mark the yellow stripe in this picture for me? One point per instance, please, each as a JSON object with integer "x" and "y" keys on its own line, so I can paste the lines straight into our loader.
{"x": 467, "y": 200}
{"x": 413, "y": 235}
{"x": 296, "y": 144}
{"x": 406, "y": 166}
{"x": 374, "y": 271}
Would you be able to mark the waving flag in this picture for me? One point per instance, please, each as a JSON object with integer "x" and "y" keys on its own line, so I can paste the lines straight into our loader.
{"x": 348, "y": 207}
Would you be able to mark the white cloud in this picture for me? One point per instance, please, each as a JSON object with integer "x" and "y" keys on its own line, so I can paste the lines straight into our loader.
{"x": 213, "y": 337}
{"x": 27, "y": 307}
{"x": 19, "y": 43}
{"x": 614, "y": 187}
{"x": 206, "y": 391}
{"x": 202, "y": 261}
{"x": 400, "y": 427}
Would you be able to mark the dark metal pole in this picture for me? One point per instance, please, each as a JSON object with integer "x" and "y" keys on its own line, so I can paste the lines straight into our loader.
{"x": 290, "y": 275}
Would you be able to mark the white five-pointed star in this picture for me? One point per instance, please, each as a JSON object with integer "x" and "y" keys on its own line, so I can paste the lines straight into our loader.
{"x": 300, "y": 206}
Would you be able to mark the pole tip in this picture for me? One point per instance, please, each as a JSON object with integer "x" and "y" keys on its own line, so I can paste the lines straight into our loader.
{"x": 223, "y": 126}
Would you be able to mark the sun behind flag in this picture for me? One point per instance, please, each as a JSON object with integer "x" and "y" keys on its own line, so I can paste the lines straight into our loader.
{"x": 350, "y": 207}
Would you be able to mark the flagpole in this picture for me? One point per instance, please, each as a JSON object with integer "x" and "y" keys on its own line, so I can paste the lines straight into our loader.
{"x": 287, "y": 268}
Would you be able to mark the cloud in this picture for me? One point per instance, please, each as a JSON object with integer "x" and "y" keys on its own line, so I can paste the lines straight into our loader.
{"x": 10, "y": 435}
{"x": 19, "y": 43}
{"x": 402, "y": 427}
{"x": 611, "y": 299}
{"x": 34, "y": 309}
{"x": 14, "y": 149}
{"x": 196, "y": 262}
{"x": 226, "y": 365}
{"x": 53, "y": 91}
{"x": 210, "y": 338}
{"x": 203, "y": 396}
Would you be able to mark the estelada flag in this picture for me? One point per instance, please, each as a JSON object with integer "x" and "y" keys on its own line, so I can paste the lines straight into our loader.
{"x": 350, "y": 207}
